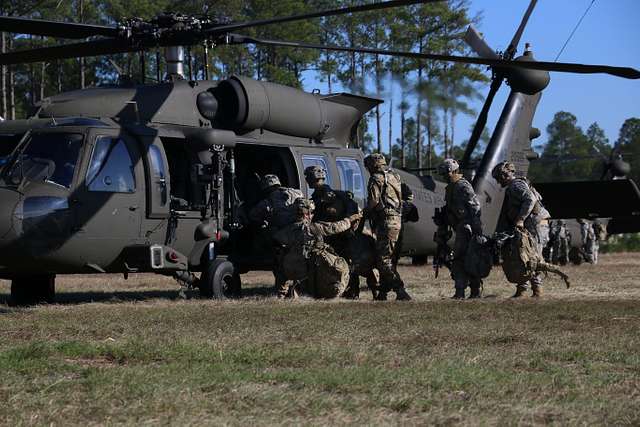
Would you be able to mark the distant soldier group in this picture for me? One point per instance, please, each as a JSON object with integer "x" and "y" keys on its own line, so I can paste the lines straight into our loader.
{"x": 322, "y": 248}
{"x": 591, "y": 234}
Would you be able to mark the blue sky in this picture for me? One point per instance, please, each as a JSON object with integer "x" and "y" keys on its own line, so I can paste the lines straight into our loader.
{"x": 609, "y": 34}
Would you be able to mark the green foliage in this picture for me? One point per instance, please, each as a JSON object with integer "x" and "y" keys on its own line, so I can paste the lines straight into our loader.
{"x": 621, "y": 243}
{"x": 629, "y": 143}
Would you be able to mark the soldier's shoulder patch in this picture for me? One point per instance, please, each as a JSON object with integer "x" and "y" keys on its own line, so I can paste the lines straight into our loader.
{"x": 376, "y": 178}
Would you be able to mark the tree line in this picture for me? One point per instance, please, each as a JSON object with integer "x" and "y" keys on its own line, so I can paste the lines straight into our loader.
{"x": 431, "y": 96}
{"x": 572, "y": 154}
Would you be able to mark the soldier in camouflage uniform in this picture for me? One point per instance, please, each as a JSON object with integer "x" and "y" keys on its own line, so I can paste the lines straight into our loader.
{"x": 463, "y": 216}
{"x": 589, "y": 240}
{"x": 522, "y": 208}
{"x": 335, "y": 205}
{"x": 272, "y": 213}
{"x": 275, "y": 210}
{"x": 600, "y": 232}
{"x": 384, "y": 209}
{"x": 561, "y": 244}
{"x": 304, "y": 244}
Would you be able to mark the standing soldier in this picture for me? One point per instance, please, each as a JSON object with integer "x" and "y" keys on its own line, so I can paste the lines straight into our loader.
{"x": 600, "y": 232}
{"x": 334, "y": 205}
{"x": 384, "y": 207}
{"x": 462, "y": 210}
{"x": 274, "y": 212}
{"x": 588, "y": 240}
{"x": 522, "y": 208}
{"x": 561, "y": 243}
{"x": 308, "y": 258}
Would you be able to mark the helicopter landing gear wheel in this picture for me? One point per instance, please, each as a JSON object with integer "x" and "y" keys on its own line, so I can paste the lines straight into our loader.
{"x": 28, "y": 290}
{"x": 220, "y": 280}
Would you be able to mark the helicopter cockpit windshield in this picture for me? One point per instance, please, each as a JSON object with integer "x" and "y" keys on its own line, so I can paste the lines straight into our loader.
{"x": 44, "y": 157}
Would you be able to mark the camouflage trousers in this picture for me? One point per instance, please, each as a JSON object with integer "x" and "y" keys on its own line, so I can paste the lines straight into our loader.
{"x": 540, "y": 232}
{"x": 460, "y": 277}
{"x": 387, "y": 232}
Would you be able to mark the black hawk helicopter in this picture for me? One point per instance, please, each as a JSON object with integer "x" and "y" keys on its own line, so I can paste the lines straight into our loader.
{"x": 156, "y": 178}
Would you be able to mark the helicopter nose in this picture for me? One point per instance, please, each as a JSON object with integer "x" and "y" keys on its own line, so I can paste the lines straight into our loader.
{"x": 9, "y": 199}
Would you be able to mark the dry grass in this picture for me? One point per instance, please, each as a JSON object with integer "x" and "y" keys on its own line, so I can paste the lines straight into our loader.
{"x": 135, "y": 353}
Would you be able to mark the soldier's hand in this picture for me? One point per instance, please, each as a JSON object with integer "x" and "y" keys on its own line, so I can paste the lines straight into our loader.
{"x": 355, "y": 217}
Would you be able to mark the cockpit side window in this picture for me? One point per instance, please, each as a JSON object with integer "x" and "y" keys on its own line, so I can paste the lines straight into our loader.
{"x": 111, "y": 168}
{"x": 43, "y": 157}
{"x": 351, "y": 177}
{"x": 315, "y": 160}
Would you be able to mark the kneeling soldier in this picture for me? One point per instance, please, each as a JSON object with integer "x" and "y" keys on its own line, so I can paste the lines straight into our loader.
{"x": 308, "y": 258}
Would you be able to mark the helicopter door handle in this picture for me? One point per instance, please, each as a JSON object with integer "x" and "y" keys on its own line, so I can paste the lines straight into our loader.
{"x": 133, "y": 208}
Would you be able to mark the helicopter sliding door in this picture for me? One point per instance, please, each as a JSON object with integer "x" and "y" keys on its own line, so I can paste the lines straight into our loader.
{"x": 110, "y": 198}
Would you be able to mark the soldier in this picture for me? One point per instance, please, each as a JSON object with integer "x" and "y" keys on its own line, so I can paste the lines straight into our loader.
{"x": 561, "y": 245}
{"x": 272, "y": 213}
{"x": 275, "y": 210}
{"x": 335, "y": 205}
{"x": 463, "y": 216}
{"x": 522, "y": 208}
{"x": 588, "y": 240}
{"x": 600, "y": 232}
{"x": 384, "y": 208}
{"x": 308, "y": 258}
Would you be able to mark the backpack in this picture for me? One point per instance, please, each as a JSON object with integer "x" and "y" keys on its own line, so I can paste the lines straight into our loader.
{"x": 521, "y": 260}
{"x": 520, "y": 257}
{"x": 330, "y": 275}
{"x": 282, "y": 204}
{"x": 479, "y": 257}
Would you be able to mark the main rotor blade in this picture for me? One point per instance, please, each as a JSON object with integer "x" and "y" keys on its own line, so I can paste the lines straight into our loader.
{"x": 67, "y": 30}
{"x": 304, "y": 16}
{"x": 513, "y": 46}
{"x": 74, "y": 50}
{"x": 481, "y": 122}
{"x": 625, "y": 72}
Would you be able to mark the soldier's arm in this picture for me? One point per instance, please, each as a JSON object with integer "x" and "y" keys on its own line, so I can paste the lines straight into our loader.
{"x": 472, "y": 208}
{"x": 325, "y": 229}
{"x": 374, "y": 191}
{"x": 527, "y": 201}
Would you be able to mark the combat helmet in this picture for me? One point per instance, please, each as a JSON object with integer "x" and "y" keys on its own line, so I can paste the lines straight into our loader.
{"x": 315, "y": 173}
{"x": 375, "y": 161}
{"x": 503, "y": 170}
{"x": 303, "y": 206}
{"x": 269, "y": 181}
{"x": 447, "y": 166}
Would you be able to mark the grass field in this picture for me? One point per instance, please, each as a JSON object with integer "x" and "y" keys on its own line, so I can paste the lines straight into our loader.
{"x": 116, "y": 352}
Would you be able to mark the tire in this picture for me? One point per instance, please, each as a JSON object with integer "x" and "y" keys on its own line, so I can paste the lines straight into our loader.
{"x": 31, "y": 290}
{"x": 220, "y": 280}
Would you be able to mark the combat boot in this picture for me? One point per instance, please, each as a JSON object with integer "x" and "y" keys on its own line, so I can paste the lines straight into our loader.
{"x": 380, "y": 296}
{"x": 520, "y": 290}
{"x": 536, "y": 291}
{"x": 475, "y": 293}
{"x": 402, "y": 295}
{"x": 459, "y": 294}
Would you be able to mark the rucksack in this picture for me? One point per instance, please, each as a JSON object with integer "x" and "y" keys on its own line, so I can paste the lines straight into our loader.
{"x": 479, "y": 257}
{"x": 521, "y": 260}
{"x": 330, "y": 275}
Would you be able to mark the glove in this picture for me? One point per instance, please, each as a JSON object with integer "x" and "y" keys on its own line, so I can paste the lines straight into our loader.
{"x": 355, "y": 217}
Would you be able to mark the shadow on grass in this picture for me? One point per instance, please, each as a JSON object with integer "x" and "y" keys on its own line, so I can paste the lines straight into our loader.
{"x": 75, "y": 298}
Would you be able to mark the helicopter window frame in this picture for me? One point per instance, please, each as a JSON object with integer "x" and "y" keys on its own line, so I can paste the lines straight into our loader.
{"x": 52, "y": 160}
{"x": 348, "y": 184}
{"x": 316, "y": 160}
{"x": 96, "y": 171}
